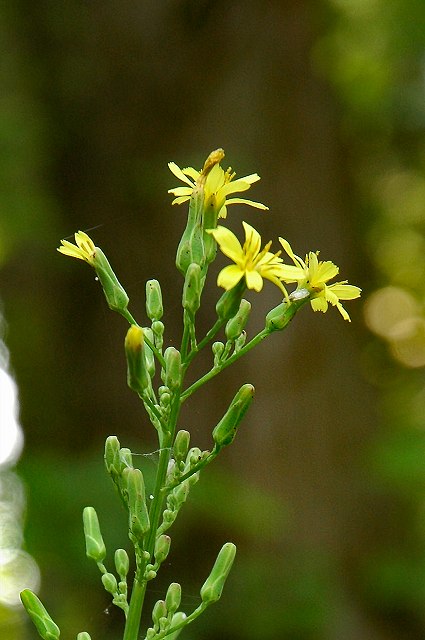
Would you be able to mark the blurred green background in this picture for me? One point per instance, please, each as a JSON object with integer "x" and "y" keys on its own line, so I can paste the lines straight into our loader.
{"x": 323, "y": 490}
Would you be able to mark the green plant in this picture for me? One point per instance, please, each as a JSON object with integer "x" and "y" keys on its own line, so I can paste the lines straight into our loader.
{"x": 158, "y": 377}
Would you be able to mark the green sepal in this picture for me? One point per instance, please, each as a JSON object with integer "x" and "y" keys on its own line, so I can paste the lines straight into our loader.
{"x": 213, "y": 586}
{"x": 44, "y": 624}
{"x": 228, "y": 305}
{"x": 191, "y": 246}
{"x": 83, "y": 635}
{"x": 95, "y": 547}
{"x": 115, "y": 294}
{"x": 225, "y": 431}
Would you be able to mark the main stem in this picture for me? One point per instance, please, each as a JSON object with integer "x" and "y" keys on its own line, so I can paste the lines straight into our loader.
{"x": 132, "y": 625}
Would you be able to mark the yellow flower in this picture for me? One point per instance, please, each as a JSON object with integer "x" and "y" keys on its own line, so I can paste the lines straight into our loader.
{"x": 85, "y": 249}
{"x": 216, "y": 183}
{"x": 251, "y": 262}
{"x": 312, "y": 275}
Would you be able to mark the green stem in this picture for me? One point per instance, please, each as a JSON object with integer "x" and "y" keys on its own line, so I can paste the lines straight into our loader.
{"x": 132, "y": 623}
{"x": 139, "y": 586}
{"x": 216, "y": 370}
{"x": 208, "y": 337}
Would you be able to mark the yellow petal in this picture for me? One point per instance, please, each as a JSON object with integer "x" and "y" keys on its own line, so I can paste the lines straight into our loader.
{"x": 251, "y": 203}
{"x": 229, "y": 244}
{"x": 254, "y": 280}
{"x": 229, "y": 276}
{"x": 174, "y": 168}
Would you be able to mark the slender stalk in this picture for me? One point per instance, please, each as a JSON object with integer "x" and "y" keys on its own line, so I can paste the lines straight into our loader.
{"x": 216, "y": 370}
{"x": 208, "y": 337}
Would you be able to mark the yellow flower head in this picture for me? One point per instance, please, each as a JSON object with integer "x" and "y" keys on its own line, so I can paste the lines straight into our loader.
{"x": 216, "y": 183}
{"x": 313, "y": 275}
{"x": 251, "y": 262}
{"x": 84, "y": 250}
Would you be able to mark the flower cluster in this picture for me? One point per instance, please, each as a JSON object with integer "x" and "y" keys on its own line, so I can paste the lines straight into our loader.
{"x": 251, "y": 262}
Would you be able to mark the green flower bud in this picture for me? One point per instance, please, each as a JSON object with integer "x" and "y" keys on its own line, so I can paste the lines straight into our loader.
{"x": 83, "y": 635}
{"x": 154, "y": 307}
{"x": 173, "y": 597}
{"x": 110, "y": 584}
{"x": 217, "y": 349}
{"x": 158, "y": 332}
{"x": 95, "y": 547}
{"x": 159, "y": 611}
{"x": 236, "y": 325}
{"x": 173, "y": 368}
{"x": 192, "y": 289}
{"x": 138, "y": 377}
{"x": 176, "y": 620}
{"x": 112, "y": 454}
{"x": 228, "y": 304}
{"x": 149, "y": 357}
{"x": 180, "y": 493}
{"x": 122, "y": 563}
{"x": 225, "y": 431}
{"x": 213, "y": 586}
{"x": 138, "y": 512}
{"x": 280, "y": 316}
{"x": 115, "y": 295}
{"x": 162, "y": 548}
{"x": 181, "y": 445}
{"x": 44, "y": 624}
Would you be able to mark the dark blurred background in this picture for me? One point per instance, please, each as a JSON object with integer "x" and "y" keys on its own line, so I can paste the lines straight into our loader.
{"x": 323, "y": 490}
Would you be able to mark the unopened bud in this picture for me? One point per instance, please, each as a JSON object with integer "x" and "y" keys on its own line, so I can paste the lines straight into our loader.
{"x": 213, "y": 586}
{"x": 192, "y": 289}
{"x": 109, "y": 582}
{"x": 173, "y": 368}
{"x": 83, "y": 635}
{"x": 122, "y": 563}
{"x": 95, "y": 547}
{"x": 138, "y": 377}
{"x": 44, "y": 624}
{"x": 236, "y": 325}
{"x": 159, "y": 611}
{"x": 173, "y": 597}
{"x": 217, "y": 349}
{"x": 225, "y": 431}
{"x": 177, "y": 620}
{"x": 138, "y": 512}
{"x": 181, "y": 445}
{"x": 280, "y": 316}
{"x": 112, "y": 454}
{"x": 162, "y": 548}
{"x": 154, "y": 307}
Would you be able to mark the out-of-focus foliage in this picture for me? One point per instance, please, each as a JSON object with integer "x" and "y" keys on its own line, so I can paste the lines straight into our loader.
{"x": 324, "y": 489}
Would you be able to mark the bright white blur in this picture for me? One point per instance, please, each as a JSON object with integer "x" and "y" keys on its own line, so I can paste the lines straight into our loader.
{"x": 18, "y": 570}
